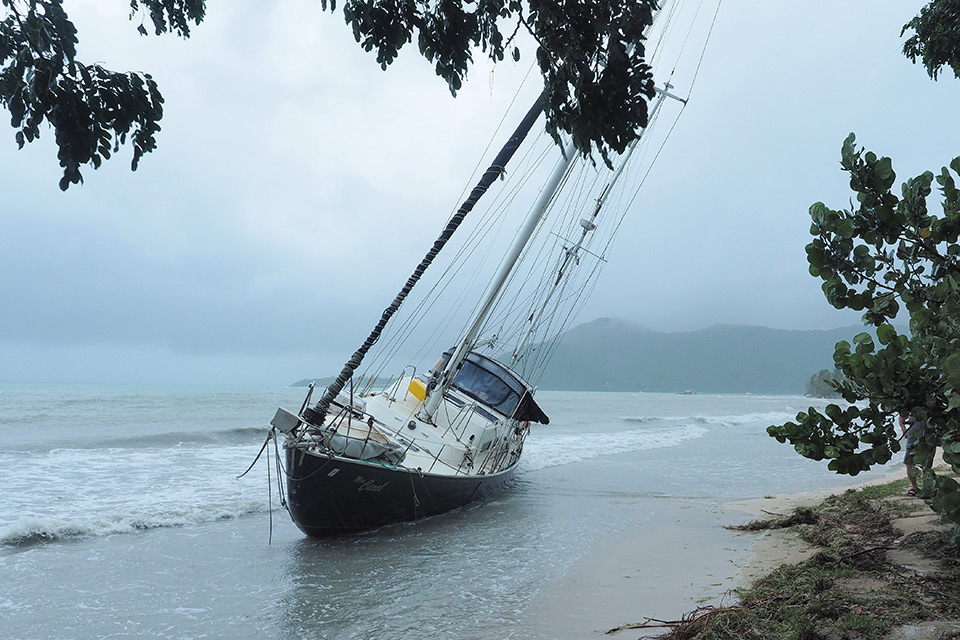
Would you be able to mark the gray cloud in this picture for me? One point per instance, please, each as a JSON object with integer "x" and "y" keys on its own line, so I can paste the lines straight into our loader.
{"x": 296, "y": 184}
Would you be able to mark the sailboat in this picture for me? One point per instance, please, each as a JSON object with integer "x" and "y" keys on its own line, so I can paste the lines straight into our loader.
{"x": 440, "y": 437}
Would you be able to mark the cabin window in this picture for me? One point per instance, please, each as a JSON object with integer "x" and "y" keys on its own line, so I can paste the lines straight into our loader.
{"x": 486, "y": 387}
{"x": 493, "y": 385}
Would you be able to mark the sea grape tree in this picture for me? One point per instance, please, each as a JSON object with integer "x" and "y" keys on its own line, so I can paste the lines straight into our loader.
{"x": 885, "y": 255}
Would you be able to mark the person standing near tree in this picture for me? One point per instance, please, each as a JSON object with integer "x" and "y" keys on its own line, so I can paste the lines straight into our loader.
{"x": 913, "y": 432}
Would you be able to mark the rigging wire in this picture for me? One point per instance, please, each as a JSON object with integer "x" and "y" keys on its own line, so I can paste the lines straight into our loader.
{"x": 686, "y": 39}
{"x": 465, "y": 255}
{"x": 703, "y": 51}
{"x": 457, "y": 263}
{"x": 664, "y": 16}
{"x": 684, "y": 104}
{"x": 373, "y": 370}
{"x": 595, "y": 271}
{"x": 524, "y": 284}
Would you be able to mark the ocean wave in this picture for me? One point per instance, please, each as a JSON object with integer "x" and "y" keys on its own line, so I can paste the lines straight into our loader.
{"x": 763, "y": 418}
{"x": 233, "y": 435}
{"x": 229, "y": 436}
{"x": 37, "y": 529}
{"x": 71, "y": 493}
{"x": 568, "y": 448}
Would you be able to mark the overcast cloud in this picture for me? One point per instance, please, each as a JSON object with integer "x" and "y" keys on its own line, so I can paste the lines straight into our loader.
{"x": 288, "y": 160}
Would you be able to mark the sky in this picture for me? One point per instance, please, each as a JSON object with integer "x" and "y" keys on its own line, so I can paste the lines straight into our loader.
{"x": 296, "y": 184}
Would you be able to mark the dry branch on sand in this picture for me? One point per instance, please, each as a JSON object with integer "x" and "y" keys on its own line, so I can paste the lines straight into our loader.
{"x": 699, "y": 616}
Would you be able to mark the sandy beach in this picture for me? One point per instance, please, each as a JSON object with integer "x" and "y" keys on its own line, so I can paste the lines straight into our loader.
{"x": 664, "y": 571}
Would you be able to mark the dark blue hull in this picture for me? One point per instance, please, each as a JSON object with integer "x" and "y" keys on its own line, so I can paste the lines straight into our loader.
{"x": 328, "y": 496}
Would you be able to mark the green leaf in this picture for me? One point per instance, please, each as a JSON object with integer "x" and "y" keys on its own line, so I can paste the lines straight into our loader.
{"x": 886, "y": 333}
{"x": 833, "y": 412}
{"x": 863, "y": 339}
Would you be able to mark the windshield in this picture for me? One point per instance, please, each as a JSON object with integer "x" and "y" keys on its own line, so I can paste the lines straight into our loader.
{"x": 485, "y": 386}
{"x": 490, "y": 383}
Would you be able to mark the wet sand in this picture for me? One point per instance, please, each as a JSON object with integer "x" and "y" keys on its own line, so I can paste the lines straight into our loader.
{"x": 661, "y": 571}
{"x": 670, "y": 568}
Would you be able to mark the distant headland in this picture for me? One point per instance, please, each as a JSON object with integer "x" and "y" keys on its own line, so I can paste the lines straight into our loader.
{"x": 616, "y": 355}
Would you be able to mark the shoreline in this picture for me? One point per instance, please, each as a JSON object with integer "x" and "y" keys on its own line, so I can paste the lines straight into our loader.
{"x": 664, "y": 570}
{"x": 773, "y": 548}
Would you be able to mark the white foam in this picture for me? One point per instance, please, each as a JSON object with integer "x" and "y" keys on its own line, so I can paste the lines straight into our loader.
{"x": 560, "y": 449}
{"x": 79, "y": 492}
{"x": 759, "y": 418}
{"x": 763, "y": 419}
{"x": 70, "y": 493}
{"x": 38, "y": 528}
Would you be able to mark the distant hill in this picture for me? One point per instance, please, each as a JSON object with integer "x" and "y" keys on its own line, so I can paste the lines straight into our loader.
{"x": 615, "y": 355}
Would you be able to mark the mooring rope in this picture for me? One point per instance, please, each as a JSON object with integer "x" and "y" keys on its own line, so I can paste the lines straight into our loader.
{"x": 260, "y": 453}
{"x": 270, "y": 500}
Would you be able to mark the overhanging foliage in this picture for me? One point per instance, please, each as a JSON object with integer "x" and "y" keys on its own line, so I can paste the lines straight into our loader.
{"x": 888, "y": 253}
{"x": 936, "y": 37}
{"x": 92, "y": 110}
{"x": 590, "y": 53}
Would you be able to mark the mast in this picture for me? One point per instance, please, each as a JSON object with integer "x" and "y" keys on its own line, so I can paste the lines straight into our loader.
{"x": 445, "y": 377}
{"x": 317, "y": 414}
{"x": 523, "y": 236}
{"x": 587, "y": 225}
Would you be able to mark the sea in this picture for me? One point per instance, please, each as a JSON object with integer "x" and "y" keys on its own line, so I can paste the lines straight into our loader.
{"x": 124, "y": 513}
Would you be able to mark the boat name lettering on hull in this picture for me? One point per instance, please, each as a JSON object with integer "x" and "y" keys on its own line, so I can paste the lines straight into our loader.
{"x": 368, "y": 485}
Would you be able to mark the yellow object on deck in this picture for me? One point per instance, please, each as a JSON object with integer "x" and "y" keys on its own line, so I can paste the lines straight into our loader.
{"x": 419, "y": 389}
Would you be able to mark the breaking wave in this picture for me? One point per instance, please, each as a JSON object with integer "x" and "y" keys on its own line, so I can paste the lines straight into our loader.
{"x": 72, "y": 493}
{"x": 764, "y": 418}
{"x": 568, "y": 448}
{"x": 37, "y": 529}
{"x": 230, "y": 436}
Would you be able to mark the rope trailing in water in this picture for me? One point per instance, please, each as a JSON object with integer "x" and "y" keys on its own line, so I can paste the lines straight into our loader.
{"x": 318, "y": 413}
{"x": 276, "y": 451}
{"x": 265, "y": 443}
{"x": 270, "y": 500}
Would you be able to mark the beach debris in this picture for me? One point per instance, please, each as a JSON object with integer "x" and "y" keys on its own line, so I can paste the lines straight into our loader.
{"x": 700, "y": 617}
